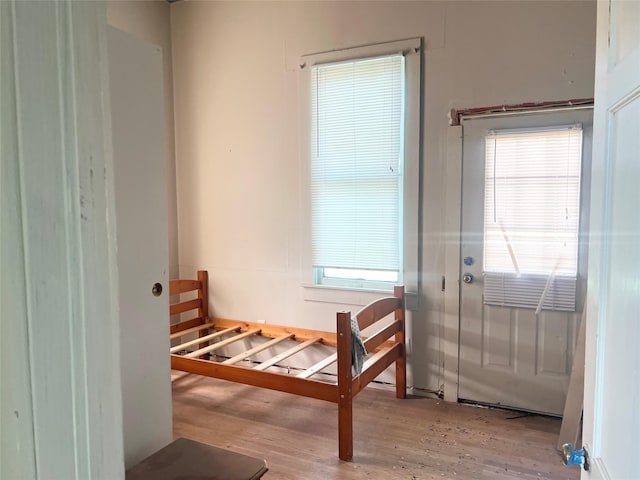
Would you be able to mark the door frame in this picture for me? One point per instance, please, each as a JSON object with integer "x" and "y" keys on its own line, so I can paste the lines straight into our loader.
{"x": 61, "y": 410}
{"x": 453, "y": 225}
{"x": 453, "y": 242}
{"x": 614, "y": 87}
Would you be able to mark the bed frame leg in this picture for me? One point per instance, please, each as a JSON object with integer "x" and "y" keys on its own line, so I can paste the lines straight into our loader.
{"x": 401, "y": 378}
{"x": 345, "y": 388}
{"x": 203, "y": 311}
{"x": 345, "y": 430}
{"x": 401, "y": 363}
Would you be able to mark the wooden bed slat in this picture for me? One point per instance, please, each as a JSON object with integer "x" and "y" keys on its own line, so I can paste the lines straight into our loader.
{"x": 250, "y": 376}
{"x": 274, "y": 331}
{"x": 374, "y": 312}
{"x": 221, "y": 344}
{"x": 369, "y": 362}
{"x": 176, "y": 287}
{"x": 206, "y": 338}
{"x": 375, "y": 365}
{"x": 187, "y": 331}
{"x": 374, "y": 341}
{"x": 272, "y": 361}
{"x": 182, "y": 326}
{"x": 181, "y": 307}
{"x": 318, "y": 367}
{"x": 257, "y": 349}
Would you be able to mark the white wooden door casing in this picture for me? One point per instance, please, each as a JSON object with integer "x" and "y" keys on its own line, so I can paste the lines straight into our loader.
{"x": 135, "y": 69}
{"x": 511, "y": 356}
{"x": 612, "y": 365}
{"x": 60, "y": 413}
{"x": 17, "y": 450}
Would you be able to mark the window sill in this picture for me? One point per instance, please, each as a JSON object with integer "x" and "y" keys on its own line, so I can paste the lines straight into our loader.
{"x": 351, "y": 295}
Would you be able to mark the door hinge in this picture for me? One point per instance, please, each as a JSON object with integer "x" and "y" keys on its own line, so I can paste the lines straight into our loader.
{"x": 443, "y": 283}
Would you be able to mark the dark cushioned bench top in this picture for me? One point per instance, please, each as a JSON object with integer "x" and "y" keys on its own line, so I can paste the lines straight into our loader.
{"x": 185, "y": 459}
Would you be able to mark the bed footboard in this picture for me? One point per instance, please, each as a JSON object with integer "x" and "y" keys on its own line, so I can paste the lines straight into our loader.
{"x": 392, "y": 351}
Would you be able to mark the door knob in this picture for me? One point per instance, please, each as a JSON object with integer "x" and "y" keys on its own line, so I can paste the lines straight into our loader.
{"x": 467, "y": 278}
{"x": 156, "y": 289}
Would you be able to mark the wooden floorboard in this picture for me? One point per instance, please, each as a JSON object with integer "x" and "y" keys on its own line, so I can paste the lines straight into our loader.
{"x": 416, "y": 438}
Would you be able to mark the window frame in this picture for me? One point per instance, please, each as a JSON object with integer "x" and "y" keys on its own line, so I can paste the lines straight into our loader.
{"x": 408, "y": 274}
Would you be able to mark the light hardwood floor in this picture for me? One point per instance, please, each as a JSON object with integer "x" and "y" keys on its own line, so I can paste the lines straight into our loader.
{"x": 416, "y": 438}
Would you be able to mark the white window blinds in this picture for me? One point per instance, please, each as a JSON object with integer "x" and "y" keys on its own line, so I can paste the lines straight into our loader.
{"x": 532, "y": 212}
{"x": 356, "y": 173}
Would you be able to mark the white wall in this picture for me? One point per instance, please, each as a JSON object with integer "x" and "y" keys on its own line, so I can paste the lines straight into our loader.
{"x": 238, "y": 149}
{"x": 149, "y": 20}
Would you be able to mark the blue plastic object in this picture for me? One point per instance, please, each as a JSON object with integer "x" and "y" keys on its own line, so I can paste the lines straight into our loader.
{"x": 575, "y": 457}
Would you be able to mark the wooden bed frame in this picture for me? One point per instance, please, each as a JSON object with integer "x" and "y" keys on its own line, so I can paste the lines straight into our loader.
{"x": 387, "y": 345}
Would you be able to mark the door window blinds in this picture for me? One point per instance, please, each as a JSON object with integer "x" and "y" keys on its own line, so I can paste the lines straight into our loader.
{"x": 531, "y": 217}
{"x": 356, "y": 173}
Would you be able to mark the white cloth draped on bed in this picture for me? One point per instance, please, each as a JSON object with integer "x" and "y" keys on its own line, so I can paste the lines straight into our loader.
{"x": 358, "y": 352}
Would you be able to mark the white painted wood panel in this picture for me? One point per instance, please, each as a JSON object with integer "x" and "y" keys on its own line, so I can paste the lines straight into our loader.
{"x": 612, "y": 383}
{"x": 17, "y": 450}
{"x": 135, "y": 69}
{"x": 61, "y": 400}
{"x": 621, "y": 358}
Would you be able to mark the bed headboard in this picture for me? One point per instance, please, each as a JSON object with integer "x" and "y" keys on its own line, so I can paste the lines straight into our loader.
{"x": 200, "y": 304}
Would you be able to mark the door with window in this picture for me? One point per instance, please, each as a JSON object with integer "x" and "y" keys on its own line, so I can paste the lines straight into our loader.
{"x": 523, "y": 256}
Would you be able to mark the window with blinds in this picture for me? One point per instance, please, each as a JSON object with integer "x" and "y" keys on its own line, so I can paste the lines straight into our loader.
{"x": 357, "y": 138}
{"x": 531, "y": 217}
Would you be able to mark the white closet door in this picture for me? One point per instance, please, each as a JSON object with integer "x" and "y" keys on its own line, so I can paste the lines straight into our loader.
{"x": 135, "y": 70}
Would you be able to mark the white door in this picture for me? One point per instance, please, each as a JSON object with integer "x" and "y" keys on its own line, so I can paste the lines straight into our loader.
{"x": 135, "y": 72}
{"x": 510, "y": 355}
{"x": 612, "y": 371}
